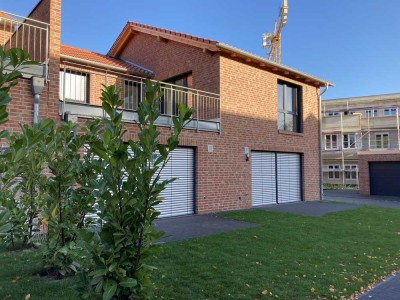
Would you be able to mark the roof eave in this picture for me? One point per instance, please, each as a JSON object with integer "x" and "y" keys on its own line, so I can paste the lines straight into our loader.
{"x": 311, "y": 79}
{"x": 105, "y": 66}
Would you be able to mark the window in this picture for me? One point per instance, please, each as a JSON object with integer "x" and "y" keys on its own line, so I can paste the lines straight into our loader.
{"x": 74, "y": 86}
{"x": 349, "y": 141}
{"x": 350, "y": 171}
{"x": 334, "y": 171}
{"x": 371, "y": 113}
{"x": 175, "y": 94}
{"x": 390, "y": 112}
{"x": 132, "y": 94}
{"x": 289, "y": 117}
{"x": 334, "y": 113}
{"x": 382, "y": 140}
{"x": 331, "y": 141}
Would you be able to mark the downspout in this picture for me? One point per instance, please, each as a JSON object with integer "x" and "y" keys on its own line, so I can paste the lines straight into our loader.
{"x": 37, "y": 87}
{"x": 321, "y": 143}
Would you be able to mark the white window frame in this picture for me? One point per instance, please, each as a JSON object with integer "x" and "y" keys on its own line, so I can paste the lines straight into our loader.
{"x": 349, "y": 144}
{"x": 351, "y": 171}
{"x": 76, "y": 86}
{"x": 390, "y": 112}
{"x": 334, "y": 171}
{"x": 382, "y": 143}
{"x": 330, "y": 143}
{"x": 373, "y": 111}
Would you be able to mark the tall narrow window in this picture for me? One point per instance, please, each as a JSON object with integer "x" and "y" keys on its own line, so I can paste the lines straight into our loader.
{"x": 132, "y": 94}
{"x": 331, "y": 142}
{"x": 289, "y": 117}
{"x": 74, "y": 86}
{"x": 349, "y": 141}
{"x": 381, "y": 140}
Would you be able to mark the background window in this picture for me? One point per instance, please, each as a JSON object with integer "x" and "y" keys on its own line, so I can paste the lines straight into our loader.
{"x": 349, "y": 141}
{"x": 334, "y": 171}
{"x": 331, "y": 141}
{"x": 371, "y": 113}
{"x": 350, "y": 171}
{"x": 74, "y": 86}
{"x": 382, "y": 140}
{"x": 390, "y": 112}
{"x": 289, "y": 107}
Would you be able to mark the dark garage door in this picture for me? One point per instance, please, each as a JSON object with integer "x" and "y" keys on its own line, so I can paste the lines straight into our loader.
{"x": 384, "y": 178}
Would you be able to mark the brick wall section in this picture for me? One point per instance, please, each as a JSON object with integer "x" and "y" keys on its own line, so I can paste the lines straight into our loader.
{"x": 21, "y": 108}
{"x": 249, "y": 119}
{"x": 169, "y": 59}
{"x": 363, "y": 165}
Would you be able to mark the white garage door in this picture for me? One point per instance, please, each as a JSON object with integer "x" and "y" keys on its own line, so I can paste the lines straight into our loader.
{"x": 179, "y": 195}
{"x": 288, "y": 171}
{"x": 263, "y": 178}
{"x": 276, "y": 177}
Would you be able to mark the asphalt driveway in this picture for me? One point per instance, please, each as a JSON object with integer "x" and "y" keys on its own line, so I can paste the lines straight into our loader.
{"x": 354, "y": 197}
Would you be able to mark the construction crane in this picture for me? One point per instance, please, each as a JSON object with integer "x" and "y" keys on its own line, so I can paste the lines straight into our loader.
{"x": 272, "y": 41}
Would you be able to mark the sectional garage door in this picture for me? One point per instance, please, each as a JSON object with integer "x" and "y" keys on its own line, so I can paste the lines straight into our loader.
{"x": 384, "y": 178}
{"x": 276, "y": 177}
{"x": 179, "y": 195}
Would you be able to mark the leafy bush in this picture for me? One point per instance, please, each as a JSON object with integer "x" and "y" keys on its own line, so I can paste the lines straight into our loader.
{"x": 127, "y": 189}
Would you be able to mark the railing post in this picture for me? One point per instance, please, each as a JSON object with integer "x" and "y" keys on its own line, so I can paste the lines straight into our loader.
{"x": 197, "y": 110}
{"x": 64, "y": 86}
{"x": 171, "y": 107}
{"x": 47, "y": 59}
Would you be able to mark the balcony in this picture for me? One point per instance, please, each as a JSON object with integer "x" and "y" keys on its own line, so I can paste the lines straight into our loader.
{"x": 30, "y": 35}
{"x": 381, "y": 122}
{"x": 80, "y": 92}
{"x": 349, "y": 123}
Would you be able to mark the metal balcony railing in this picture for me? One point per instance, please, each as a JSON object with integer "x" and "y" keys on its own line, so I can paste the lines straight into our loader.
{"x": 30, "y": 35}
{"x": 80, "y": 85}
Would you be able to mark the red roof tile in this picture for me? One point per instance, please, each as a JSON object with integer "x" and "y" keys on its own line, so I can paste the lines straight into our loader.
{"x": 179, "y": 34}
{"x": 6, "y": 16}
{"x": 103, "y": 59}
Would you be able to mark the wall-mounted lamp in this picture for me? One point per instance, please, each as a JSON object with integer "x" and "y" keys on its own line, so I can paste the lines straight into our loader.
{"x": 247, "y": 153}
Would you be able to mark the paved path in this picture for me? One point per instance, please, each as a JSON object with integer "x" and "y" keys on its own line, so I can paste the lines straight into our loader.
{"x": 186, "y": 227}
{"x": 389, "y": 289}
{"x": 353, "y": 196}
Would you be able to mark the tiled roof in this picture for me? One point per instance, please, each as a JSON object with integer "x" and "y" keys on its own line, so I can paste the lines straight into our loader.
{"x": 178, "y": 34}
{"x": 103, "y": 59}
{"x": 6, "y": 16}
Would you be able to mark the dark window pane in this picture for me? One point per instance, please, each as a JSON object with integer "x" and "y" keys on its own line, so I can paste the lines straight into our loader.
{"x": 289, "y": 100}
{"x": 281, "y": 121}
{"x": 280, "y": 96}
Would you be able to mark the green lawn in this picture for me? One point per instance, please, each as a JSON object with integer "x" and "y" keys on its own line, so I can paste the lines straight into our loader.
{"x": 286, "y": 257}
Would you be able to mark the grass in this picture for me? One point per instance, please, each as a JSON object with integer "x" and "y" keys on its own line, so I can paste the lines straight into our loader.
{"x": 286, "y": 257}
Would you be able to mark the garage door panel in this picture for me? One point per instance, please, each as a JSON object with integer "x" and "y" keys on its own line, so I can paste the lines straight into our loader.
{"x": 263, "y": 178}
{"x": 275, "y": 171}
{"x": 178, "y": 195}
{"x": 384, "y": 178}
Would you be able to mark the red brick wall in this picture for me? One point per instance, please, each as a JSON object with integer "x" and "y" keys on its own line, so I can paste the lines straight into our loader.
{"x": 21, "y": 108}
{"x": 249, "y": 119}
{"x": 363, "y": 165}
{"x": 169, "y": 59}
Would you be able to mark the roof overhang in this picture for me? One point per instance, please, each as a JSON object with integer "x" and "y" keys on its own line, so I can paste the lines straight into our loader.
{"x": 273, "y": 66}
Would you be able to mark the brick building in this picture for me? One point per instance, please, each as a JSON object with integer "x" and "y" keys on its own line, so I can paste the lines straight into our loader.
{"x": 253, "y": 140}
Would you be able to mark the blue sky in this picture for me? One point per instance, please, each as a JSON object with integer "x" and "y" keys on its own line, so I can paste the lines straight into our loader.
{"x": 353, "y": 43}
